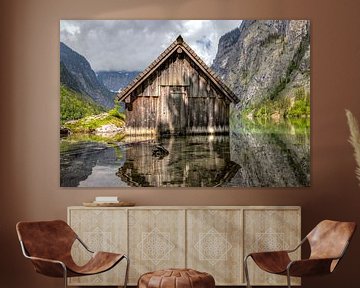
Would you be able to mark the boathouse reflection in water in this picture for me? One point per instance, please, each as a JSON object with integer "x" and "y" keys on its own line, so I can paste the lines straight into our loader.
{"x": 193, "y": 161}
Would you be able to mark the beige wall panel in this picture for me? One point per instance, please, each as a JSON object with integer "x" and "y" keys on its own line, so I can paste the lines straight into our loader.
{"x": 156, "y": 240}
{"x": 214, "y": 244}
{"x": 269, "y": 230}
{"x": 101, "y": 230}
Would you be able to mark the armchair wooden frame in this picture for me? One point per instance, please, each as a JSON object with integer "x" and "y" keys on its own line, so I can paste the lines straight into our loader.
{"x": 65, "y": 267}
{"x": 322, "y": 260}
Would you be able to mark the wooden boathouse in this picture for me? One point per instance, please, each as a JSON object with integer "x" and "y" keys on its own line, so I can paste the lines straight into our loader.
{"x": 177, "y": 94}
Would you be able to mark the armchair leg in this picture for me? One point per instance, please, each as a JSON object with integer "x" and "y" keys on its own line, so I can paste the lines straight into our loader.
{"x": 127, "y": 271}
{"x": 65, "y": 275}
{"x": 246, "y": 271}
{"x": 288, "y": 278}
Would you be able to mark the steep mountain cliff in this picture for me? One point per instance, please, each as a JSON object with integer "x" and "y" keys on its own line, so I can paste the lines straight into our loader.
{"x": 76, "y": 73}
{"x": 115, "y": 81}
{"x": 265, "y": 60}
{"x": 67, "y": 79}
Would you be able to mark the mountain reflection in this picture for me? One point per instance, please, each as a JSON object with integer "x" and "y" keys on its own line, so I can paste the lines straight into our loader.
{"x": 271, "y": 154}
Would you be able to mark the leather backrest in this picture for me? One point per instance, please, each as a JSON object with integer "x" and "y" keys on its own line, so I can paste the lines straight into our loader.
{"x": 46, "y": 239}
{"x": 329, "y": 238}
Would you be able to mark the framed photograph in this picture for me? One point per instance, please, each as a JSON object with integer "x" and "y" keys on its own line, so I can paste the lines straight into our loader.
{"x": 184, "y": 103}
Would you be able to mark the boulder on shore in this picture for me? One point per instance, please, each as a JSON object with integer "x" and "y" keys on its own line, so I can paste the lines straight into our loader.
{"x": 64, "y": 132}
{"x": 108, "y": 128}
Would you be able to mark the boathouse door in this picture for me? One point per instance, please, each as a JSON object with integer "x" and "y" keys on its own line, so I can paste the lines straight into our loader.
{"x": 173, "y": 110}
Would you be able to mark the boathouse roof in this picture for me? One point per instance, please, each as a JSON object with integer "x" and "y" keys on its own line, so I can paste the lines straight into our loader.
{"x": 173, "y": 48}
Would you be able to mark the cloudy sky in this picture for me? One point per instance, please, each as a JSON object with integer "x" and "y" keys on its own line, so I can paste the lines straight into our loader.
{"x": 133, "y": 44}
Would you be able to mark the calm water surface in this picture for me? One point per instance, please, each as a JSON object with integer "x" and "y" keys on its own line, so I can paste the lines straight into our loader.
{"x": 255, "y": 154}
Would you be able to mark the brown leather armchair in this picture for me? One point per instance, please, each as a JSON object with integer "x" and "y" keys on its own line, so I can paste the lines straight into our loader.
{"x": 48, "y": 245}
{"x": 328, "y": 242}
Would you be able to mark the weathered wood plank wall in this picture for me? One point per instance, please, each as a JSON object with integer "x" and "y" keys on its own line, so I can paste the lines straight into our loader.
{"x": 177, "y": 99}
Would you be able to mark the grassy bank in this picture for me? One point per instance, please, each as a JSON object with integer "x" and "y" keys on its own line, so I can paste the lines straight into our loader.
{"x": 73, "y": 105}
{"x": 82, "y": 115}
{"x": 89, "y": 124}
{"x": 297, "y": 106}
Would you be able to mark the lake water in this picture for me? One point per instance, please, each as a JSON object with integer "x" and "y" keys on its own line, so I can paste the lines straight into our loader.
{"x": 255, "y": 154}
